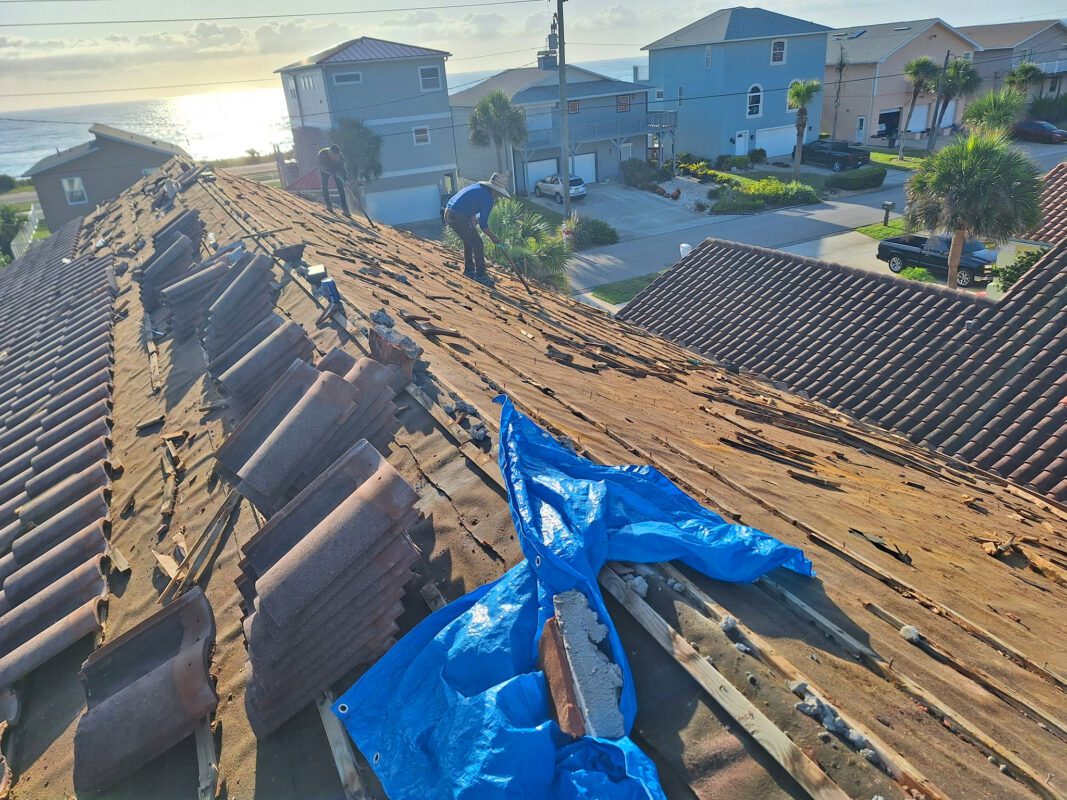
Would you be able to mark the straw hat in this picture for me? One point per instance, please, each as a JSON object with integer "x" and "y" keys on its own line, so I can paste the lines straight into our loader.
{"x": 498, "y": 183}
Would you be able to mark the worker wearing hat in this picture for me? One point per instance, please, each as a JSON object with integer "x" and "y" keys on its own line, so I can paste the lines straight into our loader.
{"x": 466, "y": 205}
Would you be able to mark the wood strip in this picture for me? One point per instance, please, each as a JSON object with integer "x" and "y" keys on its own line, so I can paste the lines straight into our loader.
{"x": 778, "y": 746}
{"x": 225, "y": 509}
{"x": 344, "y": 758}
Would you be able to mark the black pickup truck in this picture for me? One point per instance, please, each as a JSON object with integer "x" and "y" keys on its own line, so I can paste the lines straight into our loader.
{"x": 931, "y": 252}
{"x": 833, "y": 153}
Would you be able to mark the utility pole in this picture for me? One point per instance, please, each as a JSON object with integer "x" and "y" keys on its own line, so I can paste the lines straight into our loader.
{"x": 937, "y": 104}
{"x": 564, "y": 122}
{"x": 840, "y": 68}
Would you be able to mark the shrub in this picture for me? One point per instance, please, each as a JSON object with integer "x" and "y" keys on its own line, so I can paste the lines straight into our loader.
{"x": 1053, "y": 109}
{"x": 920, "y": 274}
{"x": 587, "y": 232}
{"x": 700, "y": 206}
{"x": 733, "y": 162}
{"x": 758, "y": 156}
{"x": 7, "y": 183}
{"x": 863, "y": 178}
{"x": 676, "y": 194}
{"x": 1007, "y": 275}
{"x": 734, "y": 201}
{"x": 775, "y": 193}
{"x": 638, "y": 173}
{"x": 713, "y": 192}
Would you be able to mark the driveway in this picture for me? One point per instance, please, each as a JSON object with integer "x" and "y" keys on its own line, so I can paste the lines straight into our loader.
{"x": 633, "y": 213}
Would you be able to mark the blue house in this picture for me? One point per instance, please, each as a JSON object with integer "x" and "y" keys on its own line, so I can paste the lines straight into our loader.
{"x": 401, "y": 92}
{"x": 727, "y": 75}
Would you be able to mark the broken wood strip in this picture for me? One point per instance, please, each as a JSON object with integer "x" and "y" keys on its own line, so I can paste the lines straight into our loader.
{"x": 149, "y": 422}
{"x": 764, "y": 453}
{"x": 1056, "y": 726}
{"x": 344, "y": 758}
{"x": 724, "y": 694}
{"x": 207, "y": 760}
{"x": 225, "y": 509}
{"x": 897, "y": 766}
{"x": 432, "y": 595}
{"x": 167, "y": 564}
{"x": 170, "y": 494}
{"x": 814, "y": 480}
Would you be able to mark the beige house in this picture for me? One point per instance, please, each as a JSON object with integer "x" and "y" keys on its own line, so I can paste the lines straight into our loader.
{"x": 867, "y": 101}
{"x": 73, "y": 182}
{"x": 1043, "y": 42}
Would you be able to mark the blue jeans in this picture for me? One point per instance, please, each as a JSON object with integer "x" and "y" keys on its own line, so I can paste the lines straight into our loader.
{"x": 340, "y": 189}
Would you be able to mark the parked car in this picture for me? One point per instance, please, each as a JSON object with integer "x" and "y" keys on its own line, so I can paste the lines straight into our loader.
{"x": 931, "y": 252}
{"x": 836, "y": 154}
{"x": 1036, "y": 130}
{"x": 552, "y": 187}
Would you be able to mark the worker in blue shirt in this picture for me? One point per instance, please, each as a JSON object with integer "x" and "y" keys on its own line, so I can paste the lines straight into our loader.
{"x": 475, "y": 201}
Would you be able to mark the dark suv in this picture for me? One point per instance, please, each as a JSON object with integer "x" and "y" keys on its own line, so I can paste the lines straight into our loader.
{"x": 833, "y": 153}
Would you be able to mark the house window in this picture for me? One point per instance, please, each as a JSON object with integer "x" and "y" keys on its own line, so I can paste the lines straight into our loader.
{"x": 573, "y": 107}
{"x": 755, "y": 101}
{"x": 622, "y": 103}
{"x": 659, "y": 94}
{"x": 681, "y": 96}
{"x": 968, "y": 55}
{"x": 308, "y": 82}
{"x": 789, "y": 103}
{"x": 707, "y": 56}
{"x": 778, "y": 51}
{"x": 347, "y": 77}
{"x": 421, "y": 134}
{"x": 430, "y": 78}
{"x": 74, "y": 189}
{"x": 1054, "y": 85}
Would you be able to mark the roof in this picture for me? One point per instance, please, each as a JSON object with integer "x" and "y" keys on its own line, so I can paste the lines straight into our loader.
{"x": 736, "y": 24}
{"x": 576, "y": 91}
{"x": 1053, "y": 226}
{"x": 365, "y": 48}
{"x": 879, "y": 348}
{"x": 794, "y": 467}
{"x": 110, "y": 133}
{"x": 870, "y": 44}
{"x": 513, "y": 82}
{"x": 1007, "y": 34}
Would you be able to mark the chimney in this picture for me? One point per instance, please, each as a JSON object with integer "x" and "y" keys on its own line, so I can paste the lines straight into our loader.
{"x": 637, "y": 74}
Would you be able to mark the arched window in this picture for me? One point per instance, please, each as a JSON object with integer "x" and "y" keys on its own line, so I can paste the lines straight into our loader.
{"x": 789, "y": 106}
{"x": 755, "y": 100}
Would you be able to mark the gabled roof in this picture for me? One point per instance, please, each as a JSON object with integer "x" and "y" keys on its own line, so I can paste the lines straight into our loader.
{"x": 101, "y": 131}
{"x": 736, "y": 24}
{"x": 523, "y": 85}
{"x": 365, "y": 48}
{"x": 1007, "y": 34}
{"x": 872, "y": 44}
{"x": 577, "y": 91}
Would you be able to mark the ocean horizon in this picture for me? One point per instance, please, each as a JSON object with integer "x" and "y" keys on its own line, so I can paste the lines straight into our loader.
{"x": 209, "y": 125}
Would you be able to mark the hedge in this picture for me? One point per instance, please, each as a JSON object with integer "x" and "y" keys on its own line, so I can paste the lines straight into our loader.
{"x": 641, "y": 174}
{"x": 592, "y": 233}
{"x": 761, "y": 194}
{"x": 863, "y": 178}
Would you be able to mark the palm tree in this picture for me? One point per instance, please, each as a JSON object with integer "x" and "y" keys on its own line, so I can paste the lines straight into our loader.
{"x": 981, "y": 187}
{"x": 1022, "y": 76}
{"x": 959, "y": 79}
{"x": 801, "y": 94}
{"x": 995, "y": 110}
{"x": 496, "y": 122}
{"x": 922, "y": 74}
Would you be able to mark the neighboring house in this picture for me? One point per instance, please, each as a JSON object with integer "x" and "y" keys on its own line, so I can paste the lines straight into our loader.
{"x": 728, "y": 74}
{"x": 1009, "y": 44}
{"x": 875, "y": 94}
{"x": 608, "y": 122}
{"x": 401, "y": 92}
{"x": 71, "y": 183}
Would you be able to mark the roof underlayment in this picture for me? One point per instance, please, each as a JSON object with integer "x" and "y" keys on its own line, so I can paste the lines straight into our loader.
{"x": 897, "y": 532}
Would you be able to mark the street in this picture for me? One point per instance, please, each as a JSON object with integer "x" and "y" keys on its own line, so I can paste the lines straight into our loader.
{"x": 803, "y": 230}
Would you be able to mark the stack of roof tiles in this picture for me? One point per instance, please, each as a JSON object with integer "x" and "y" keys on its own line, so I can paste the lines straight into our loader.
{"x": 55, "y": 422}
{"x": 188, "y": 297}
{"x": 245, "y": 301}
{"x": 322, "y": 584}
{"x": 307, "y": 419}
{"x": 145, "y": 691}
{"x": 973, "y": 378}
{"x": 174, "y": 249}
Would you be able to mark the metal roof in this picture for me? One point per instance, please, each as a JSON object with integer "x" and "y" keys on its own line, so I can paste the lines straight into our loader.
{"x": 736, "y": 24}
{"x": 365, "y": 48}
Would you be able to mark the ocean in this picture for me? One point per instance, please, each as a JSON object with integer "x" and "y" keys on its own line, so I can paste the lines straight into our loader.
{"x": 209, "y": 125}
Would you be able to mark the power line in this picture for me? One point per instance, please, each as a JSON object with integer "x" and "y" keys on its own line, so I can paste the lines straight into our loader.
{"x": 265, "y": 16}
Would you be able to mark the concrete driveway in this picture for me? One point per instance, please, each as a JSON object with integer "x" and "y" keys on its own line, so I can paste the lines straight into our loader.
{"x": 633, "y": 213}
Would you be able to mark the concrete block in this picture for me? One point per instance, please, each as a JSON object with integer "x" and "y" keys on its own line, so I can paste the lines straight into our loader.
{"x": 552, "y": 658}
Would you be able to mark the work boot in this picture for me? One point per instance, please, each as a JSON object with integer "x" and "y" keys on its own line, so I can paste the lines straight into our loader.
{"x": 484, "y": 279}
{"x": 470, "y": 273}
{"x": 329, "y": 208}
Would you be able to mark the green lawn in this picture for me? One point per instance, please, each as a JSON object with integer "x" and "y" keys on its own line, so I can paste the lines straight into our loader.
{"x": 888, "y": 158}
{"x": 879, "y": 231}
{"x": 42, "y": 231}
{"x": 20, "y": 208}
{"x": 817, "y": 182}
{"x": 621, "y": 292}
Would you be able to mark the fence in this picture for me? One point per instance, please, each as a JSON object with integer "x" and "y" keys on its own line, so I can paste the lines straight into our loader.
{"x": 24, "y": 238}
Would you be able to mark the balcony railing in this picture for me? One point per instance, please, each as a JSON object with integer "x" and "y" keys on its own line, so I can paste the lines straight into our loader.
{"x": 623, "y": 126}
{"x": 1053, "y": 67}
{"x": 24, "y": 238}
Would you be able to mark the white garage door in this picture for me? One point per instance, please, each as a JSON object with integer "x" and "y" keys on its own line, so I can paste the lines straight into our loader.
{"x": 584, "y": 166}
{"x": 950, "y": 115}
{"x": 397, "y": 206}
{"x": 538, "y": 170}
{"x": 918, "y": 119}
{"x": 777, "y": 141}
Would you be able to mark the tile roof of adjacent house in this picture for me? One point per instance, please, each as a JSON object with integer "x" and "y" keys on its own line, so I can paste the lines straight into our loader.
{"x": 873, "y": 44}
{"x": 365, "y": 48}
{"x": 1053, "y": 226}
{"x": 513, "y": 82}
{"x": 1007, "y": 34}
{"x": 103, "y": 132}
{"x": 736, "y": 24}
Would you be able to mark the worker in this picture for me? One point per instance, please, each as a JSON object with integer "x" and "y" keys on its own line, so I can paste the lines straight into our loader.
{"x": 332, "y": 164}
{"x": 473, "y": 201}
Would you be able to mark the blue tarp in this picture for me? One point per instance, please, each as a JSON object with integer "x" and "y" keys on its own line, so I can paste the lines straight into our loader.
{"x": 458, "y": 707}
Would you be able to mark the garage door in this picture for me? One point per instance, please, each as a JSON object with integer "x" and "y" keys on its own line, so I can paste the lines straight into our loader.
{"x": 584, "y": 167}
{"x": 950, "y": 115}
{"x": 538, "y": 170}
{"x": 397, "y": 206}
{"x": 777, "y": 141}
{"x": 918, "y": 119}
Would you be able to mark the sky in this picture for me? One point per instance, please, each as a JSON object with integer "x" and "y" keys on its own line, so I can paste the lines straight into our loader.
{"x": 91, "y": 45}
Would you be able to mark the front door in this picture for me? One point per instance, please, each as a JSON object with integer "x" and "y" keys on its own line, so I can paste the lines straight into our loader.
{"x": 741, "y": 143}
{"x": 861, "y": 130}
